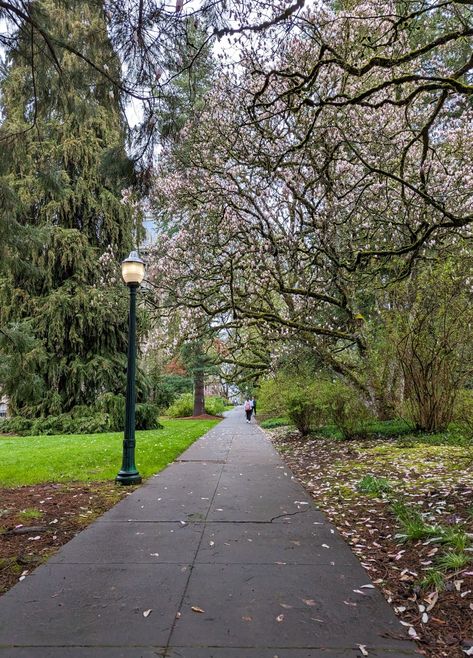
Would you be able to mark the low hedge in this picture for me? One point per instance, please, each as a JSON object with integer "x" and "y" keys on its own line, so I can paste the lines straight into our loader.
{"x": 109, "y": 416}
{"x": 184, "y": 406}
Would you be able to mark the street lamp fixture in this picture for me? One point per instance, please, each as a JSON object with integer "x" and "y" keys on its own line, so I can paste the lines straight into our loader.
{"x": 133, "y": 271}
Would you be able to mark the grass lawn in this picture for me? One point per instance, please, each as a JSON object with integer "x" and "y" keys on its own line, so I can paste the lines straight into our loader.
{"x": 92, "y": 457}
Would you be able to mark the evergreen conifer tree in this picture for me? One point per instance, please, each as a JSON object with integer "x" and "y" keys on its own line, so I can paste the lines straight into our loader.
{"x": 64, "y": 171}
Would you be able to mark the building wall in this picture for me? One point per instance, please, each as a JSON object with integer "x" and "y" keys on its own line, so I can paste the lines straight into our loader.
{"x": 3, "y": 406}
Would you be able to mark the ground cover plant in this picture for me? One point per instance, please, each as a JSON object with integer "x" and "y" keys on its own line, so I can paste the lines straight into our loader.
{"x": 51, "y": 487}
{"x": 405, "y": 506}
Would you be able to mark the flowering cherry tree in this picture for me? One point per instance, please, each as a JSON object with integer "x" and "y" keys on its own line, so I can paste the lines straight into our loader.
{"x": 321, "y": 171}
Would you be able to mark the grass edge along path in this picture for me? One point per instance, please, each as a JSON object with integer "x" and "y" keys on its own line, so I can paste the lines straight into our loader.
{"x": 52, "y": 487}
{"x": 92, "y": 457}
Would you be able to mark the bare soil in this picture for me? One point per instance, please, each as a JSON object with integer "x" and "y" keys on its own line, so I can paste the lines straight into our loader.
{"x": 202, "y": 417}
{"x": 36, "y": 520}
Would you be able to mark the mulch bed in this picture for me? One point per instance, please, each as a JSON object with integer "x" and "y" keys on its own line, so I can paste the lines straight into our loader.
{"x": 36, "y": 520}
{"x": 200, "y": 417}
{"x": 205, "y": 417}
{"x": 441, "y": 622}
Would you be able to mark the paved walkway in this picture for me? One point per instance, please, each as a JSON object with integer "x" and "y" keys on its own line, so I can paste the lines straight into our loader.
{"x": 226, "y": 551}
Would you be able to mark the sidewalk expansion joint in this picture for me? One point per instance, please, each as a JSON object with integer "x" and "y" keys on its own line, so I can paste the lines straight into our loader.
{"x": 200, "y": 461}
{"x": 207, "y": 521}
{"x": 388, "y": 651}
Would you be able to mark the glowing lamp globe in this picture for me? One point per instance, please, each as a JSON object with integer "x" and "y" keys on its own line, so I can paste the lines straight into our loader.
{"x": 133, "y": 269}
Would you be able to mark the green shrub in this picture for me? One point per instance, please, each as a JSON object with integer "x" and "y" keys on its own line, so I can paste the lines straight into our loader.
{"x": 146, "y": 417}
{"x": 310, "y": 403}
{"x": 67, "y": 424}
{"x": 464, "y": 412}
{"x": 182, "y": 407}
{"x": 215, "y": 405}
{"x": 347, "y": 410}
{"x": 62, "y": 424}
{"x": 114, "y": 406}
{"x": 305, "y": 409}
{"x": 167, "y": 388}
{"x": 84, "y": 420}
{"x": 93, "y": 424}
{"x": 274, "y": 393}
{"x": 15, "y": 425}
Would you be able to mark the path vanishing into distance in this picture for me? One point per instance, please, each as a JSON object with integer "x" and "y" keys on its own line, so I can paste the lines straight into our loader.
{"x": 221, "y": 555}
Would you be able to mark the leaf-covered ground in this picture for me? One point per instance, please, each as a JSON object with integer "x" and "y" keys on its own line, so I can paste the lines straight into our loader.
{"x": 434, "y": 480}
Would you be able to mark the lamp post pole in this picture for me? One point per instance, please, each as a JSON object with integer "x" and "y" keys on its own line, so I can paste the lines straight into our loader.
{"x": 129, "y": 473}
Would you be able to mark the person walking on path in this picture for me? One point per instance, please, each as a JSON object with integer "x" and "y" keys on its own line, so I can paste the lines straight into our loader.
{"x": 253, "y": 405}
{"x": 248, "y": 409}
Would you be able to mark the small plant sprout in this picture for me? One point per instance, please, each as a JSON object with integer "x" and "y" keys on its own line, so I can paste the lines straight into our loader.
{"x": 434, "y": 579}
{"x": 453, "y": 561}
{"x": 370, "y": 484}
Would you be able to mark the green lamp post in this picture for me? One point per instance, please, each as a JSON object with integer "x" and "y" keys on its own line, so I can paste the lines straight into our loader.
{"x": 133, "y": 271}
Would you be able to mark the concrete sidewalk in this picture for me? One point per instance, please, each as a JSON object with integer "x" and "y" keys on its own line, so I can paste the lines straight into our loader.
{"x": 229, "y": 555}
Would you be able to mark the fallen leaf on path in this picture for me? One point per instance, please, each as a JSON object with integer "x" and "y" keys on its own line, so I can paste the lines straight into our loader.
{"x": 362, "y": 648}
{"x": 247, "y": 618}
{"x": 147, "y": 613}
{"x": 310, "y": 602}
{"x": 280, "y": 618}
{"x": 196, "y": 609}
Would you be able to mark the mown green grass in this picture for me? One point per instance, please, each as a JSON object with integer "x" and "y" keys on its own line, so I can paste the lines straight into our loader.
{"x": 92, "y": 457}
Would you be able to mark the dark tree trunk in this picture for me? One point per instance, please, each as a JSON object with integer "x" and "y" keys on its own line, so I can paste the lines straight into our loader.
{"x": 199, "y": 394}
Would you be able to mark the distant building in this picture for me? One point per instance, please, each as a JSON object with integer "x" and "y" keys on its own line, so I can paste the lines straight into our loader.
{"x": 3, "y": 407}
{"x": 151, "y": 235}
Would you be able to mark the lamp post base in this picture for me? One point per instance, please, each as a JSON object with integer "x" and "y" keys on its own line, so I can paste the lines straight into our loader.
{"x": 126, "y": 478}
